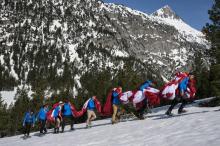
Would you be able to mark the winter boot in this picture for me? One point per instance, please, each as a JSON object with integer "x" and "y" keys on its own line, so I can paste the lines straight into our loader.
{"x": 168, "y": 113}
{"x": 180, "y": 111}
{"x": 114, "y": 122}
{"x": 141, "y": 117}
{"x": 88, "y": 126}
{"x": 55, "y": 131}
{"x": 45, "y": 131}
{"x": 72, "y": 128}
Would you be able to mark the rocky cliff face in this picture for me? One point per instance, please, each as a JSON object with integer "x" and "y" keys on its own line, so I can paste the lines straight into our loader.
{"x": 53, "y": 41}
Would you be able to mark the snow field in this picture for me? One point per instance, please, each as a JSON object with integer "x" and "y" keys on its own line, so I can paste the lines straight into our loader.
{"x": 198, "y": 127}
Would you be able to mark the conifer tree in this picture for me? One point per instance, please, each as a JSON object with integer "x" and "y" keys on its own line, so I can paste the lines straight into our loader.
{"x": 22, "y": 104}
{"x": 4, "y": 118}
{"x": 212, "y": 31}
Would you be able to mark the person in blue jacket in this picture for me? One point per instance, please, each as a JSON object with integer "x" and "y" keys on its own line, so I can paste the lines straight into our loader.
{"x": 90, "y": 111}
{"x": 145, "y": 85}
{"x": 181, "y": 96}
{"x": 115, "y": 104}
{"x": 139, "y": 96}
{"x": 140, "y": 112}
{"x": 42, "y": 117}
{"x": 28, "y": 122}
{"x": 67, "y": 115}
{"x": 57, "y": 116}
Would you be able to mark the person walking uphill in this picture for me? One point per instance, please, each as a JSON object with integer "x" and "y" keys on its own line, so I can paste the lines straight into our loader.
{"x": 28, "y": 122}
{"x": 140, "y": 100}
{"x": 116, "y": 93}
{"x": 56, "y": 114}
{"x": 42, "y": 117}
{"x": 90, "y": 111}
{"x": 112, "y": 103}
{"x": 67, "y": 114}
{"x": 139, "y": 95}
{"x": 182, "y": 96}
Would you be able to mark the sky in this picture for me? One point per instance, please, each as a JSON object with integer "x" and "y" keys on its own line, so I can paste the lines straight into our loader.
{"x": 193, "y": 12}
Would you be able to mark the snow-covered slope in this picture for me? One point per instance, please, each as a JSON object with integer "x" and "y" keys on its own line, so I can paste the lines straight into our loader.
{"x": 198, "y": 127}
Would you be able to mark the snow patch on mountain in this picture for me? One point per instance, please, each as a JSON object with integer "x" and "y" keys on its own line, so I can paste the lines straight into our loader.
{"x": 111, "y": 7}
{"x": 120, "y": 53}
{"x": 73, "y": 53}
{"x": 2, "y": 59}
{"x": 8, "y": 96}
{"x": 55, "y": 24}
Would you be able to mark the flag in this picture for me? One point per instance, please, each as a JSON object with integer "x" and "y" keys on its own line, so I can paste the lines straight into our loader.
{"x": 152, "y": 96}
{"x": 170, "y": 89}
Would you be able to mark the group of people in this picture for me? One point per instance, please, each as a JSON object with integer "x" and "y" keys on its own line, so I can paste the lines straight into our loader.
{"x": 180, "y": 89}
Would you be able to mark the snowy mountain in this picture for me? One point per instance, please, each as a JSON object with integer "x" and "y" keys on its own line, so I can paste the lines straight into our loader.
{"x": 55, "y": 42}
{"x": 167, "y": 15}
{"x": 166, "y": 12}
{"x": 198, "y": 127}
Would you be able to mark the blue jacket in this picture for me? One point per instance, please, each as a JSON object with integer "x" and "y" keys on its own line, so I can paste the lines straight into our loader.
{"x": 67, "y": 110}
{"x": 145, "y": 85}
{"x": 115, "y": 99}
{"x": 183, "y": 84}
{"x": 56, "y": 112}
{"x": 42, "y": 114}
{"x": 28, "y": 118}
{"x": 91, "y": 104}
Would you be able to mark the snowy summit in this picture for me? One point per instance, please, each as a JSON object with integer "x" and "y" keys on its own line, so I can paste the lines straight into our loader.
{"x": 166, "y": 12}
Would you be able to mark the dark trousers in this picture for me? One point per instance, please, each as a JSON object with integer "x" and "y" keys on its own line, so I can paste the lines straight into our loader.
{"x": 140, "y": 112}
{"x": 43, "y": 126}
{"x": 176, "y": 101}
{"x": 27, "y": 128}
{"x": 57, "y": 124}
{"x": 66, "y": 119}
